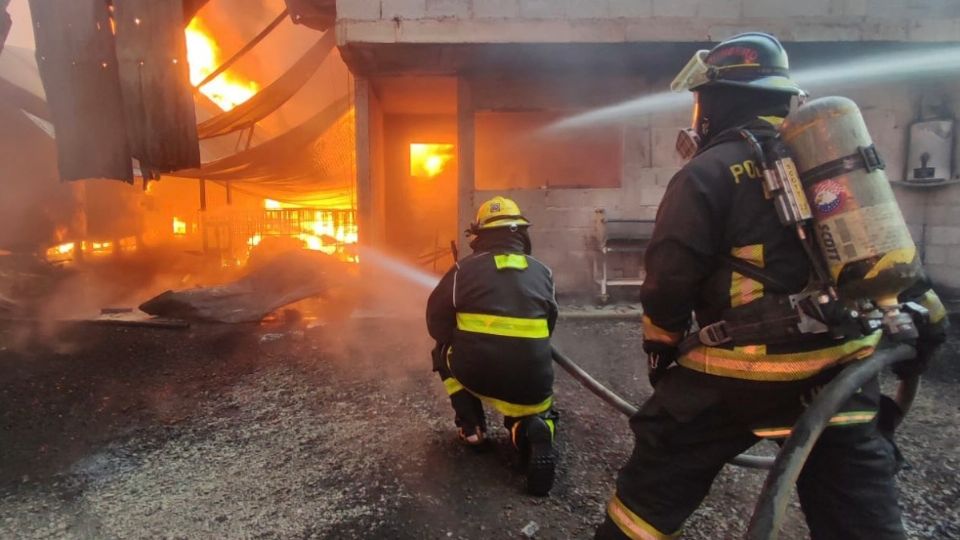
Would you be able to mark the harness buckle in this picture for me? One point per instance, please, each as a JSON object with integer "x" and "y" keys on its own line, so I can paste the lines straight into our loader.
{"x": 871, "y": 158}
{"x": 715, "y": 334}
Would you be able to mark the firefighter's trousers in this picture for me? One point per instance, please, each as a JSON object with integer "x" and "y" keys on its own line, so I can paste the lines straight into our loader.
{"x": 694, "y": 423}
{"x": 468, "y": 409}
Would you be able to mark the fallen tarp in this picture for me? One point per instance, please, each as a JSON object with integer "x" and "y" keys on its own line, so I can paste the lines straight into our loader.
{"x": 273, "y": 96}
{"x": 316, "y": 14}
{"x": 190, "y": 9}
{"x": 287, "y": 158}
{"x": 287, "y": 278}
{"x": 310, "y": 162}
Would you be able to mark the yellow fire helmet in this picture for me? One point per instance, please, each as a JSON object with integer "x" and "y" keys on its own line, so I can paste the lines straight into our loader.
{"x": 498, "y": 212}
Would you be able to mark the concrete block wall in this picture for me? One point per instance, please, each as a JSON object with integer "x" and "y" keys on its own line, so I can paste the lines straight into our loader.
{"x": 932, "y": 214}
{"x": 524, "y": 21}
{"x": 564, "y": 219}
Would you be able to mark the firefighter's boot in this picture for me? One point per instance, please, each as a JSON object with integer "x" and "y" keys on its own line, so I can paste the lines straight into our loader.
{"x": 538, "y": 453}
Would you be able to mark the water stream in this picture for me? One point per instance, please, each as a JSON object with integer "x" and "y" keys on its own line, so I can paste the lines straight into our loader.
{"x": 409, "y": 273}
{"x": 887, "y": 67}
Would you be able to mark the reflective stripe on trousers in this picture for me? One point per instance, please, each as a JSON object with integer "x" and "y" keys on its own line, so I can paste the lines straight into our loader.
{"x": 633, "y": 525}
{"x": 849, "y": 418}
{"x": 452, "y": 385}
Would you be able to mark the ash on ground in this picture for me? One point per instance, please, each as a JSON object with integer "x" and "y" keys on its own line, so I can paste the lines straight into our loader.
{"x": 341, "y": 431}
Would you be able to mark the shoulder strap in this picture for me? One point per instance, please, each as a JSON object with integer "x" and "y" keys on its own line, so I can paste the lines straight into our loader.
{"x": 753, "y": 271}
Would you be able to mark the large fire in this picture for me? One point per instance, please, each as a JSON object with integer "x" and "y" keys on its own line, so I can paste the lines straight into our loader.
{"x": 232, "y": 232}
{"x": 332, "y": 231}
{"x": 228, "y": 90}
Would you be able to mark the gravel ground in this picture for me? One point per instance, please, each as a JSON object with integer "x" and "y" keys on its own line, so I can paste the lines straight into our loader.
{"x": 341, "y": 431}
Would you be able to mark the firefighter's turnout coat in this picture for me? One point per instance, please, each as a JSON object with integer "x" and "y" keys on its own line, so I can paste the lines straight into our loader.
{"x": 495, "y": 311}
{"x": 723, "y": 399}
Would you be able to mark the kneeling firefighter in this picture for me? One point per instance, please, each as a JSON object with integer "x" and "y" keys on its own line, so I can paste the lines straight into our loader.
{"x": 770, "y": 262}
{"x": 492, "y": 315}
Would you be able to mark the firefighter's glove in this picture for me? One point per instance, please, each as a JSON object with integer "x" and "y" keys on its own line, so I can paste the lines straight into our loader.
{"x": 660, "y": 356}
{"x": 927, "y": 344}
{"x": 929, "y": 338}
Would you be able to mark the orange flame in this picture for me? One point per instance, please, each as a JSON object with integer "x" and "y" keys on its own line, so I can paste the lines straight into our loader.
{"x": 228, "y": 90}
{"x": 429, "y": 160}
{"x": 321, "y": 233}
{"x": 70, "y": 251}
{"x": 179, "y": 227}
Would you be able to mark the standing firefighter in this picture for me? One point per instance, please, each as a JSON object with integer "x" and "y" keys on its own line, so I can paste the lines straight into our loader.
{"x": 721, "y": 250}
{"x": 492, "y": 316}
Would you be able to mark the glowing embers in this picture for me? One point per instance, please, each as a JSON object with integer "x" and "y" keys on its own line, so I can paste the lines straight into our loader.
{"x": 203, "y": 55}
{"x": 62, "y": 252}
{"x": 75, "y": 251}
{"x": 429, "y": 160}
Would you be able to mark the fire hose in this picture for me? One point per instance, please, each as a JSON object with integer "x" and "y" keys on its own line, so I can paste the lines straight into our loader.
{"x": 772, "y": 503}
{"x": 786, "y": 466}
{"x": 622, "y": 405}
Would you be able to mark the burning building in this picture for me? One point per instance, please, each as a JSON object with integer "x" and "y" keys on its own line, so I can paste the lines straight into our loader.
{"x": 387, "y": 121}
{"x": 481, "y": 87}
{"x": 297, "y": 184}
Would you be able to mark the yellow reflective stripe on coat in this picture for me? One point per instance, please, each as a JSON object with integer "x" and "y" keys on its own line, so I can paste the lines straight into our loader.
{"x": 743, "y": 289}
{"x": 452, "y": 385}
{"x": 740, "y": 364}
{"x": 842, "y": 419}
{"x": 510, "y": 260}
{"x": 633, "y": 525}
{"x": 503, "y": 326}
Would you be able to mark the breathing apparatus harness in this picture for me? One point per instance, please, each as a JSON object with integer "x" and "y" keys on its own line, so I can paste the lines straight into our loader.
{"x": 818, "y": 309}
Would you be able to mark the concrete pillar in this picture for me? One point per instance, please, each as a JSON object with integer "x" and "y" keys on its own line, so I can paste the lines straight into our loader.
{"x": 465, "y": 160}
{"x": 365, "y": 211}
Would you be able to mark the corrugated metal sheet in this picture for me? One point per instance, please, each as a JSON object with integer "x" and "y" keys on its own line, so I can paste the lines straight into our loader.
{"x": 155, "y": 84}
{"x": 78, "y": 66}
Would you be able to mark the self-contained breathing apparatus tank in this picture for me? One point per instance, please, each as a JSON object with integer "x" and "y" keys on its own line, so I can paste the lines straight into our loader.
{"x": 842, "y": 194}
